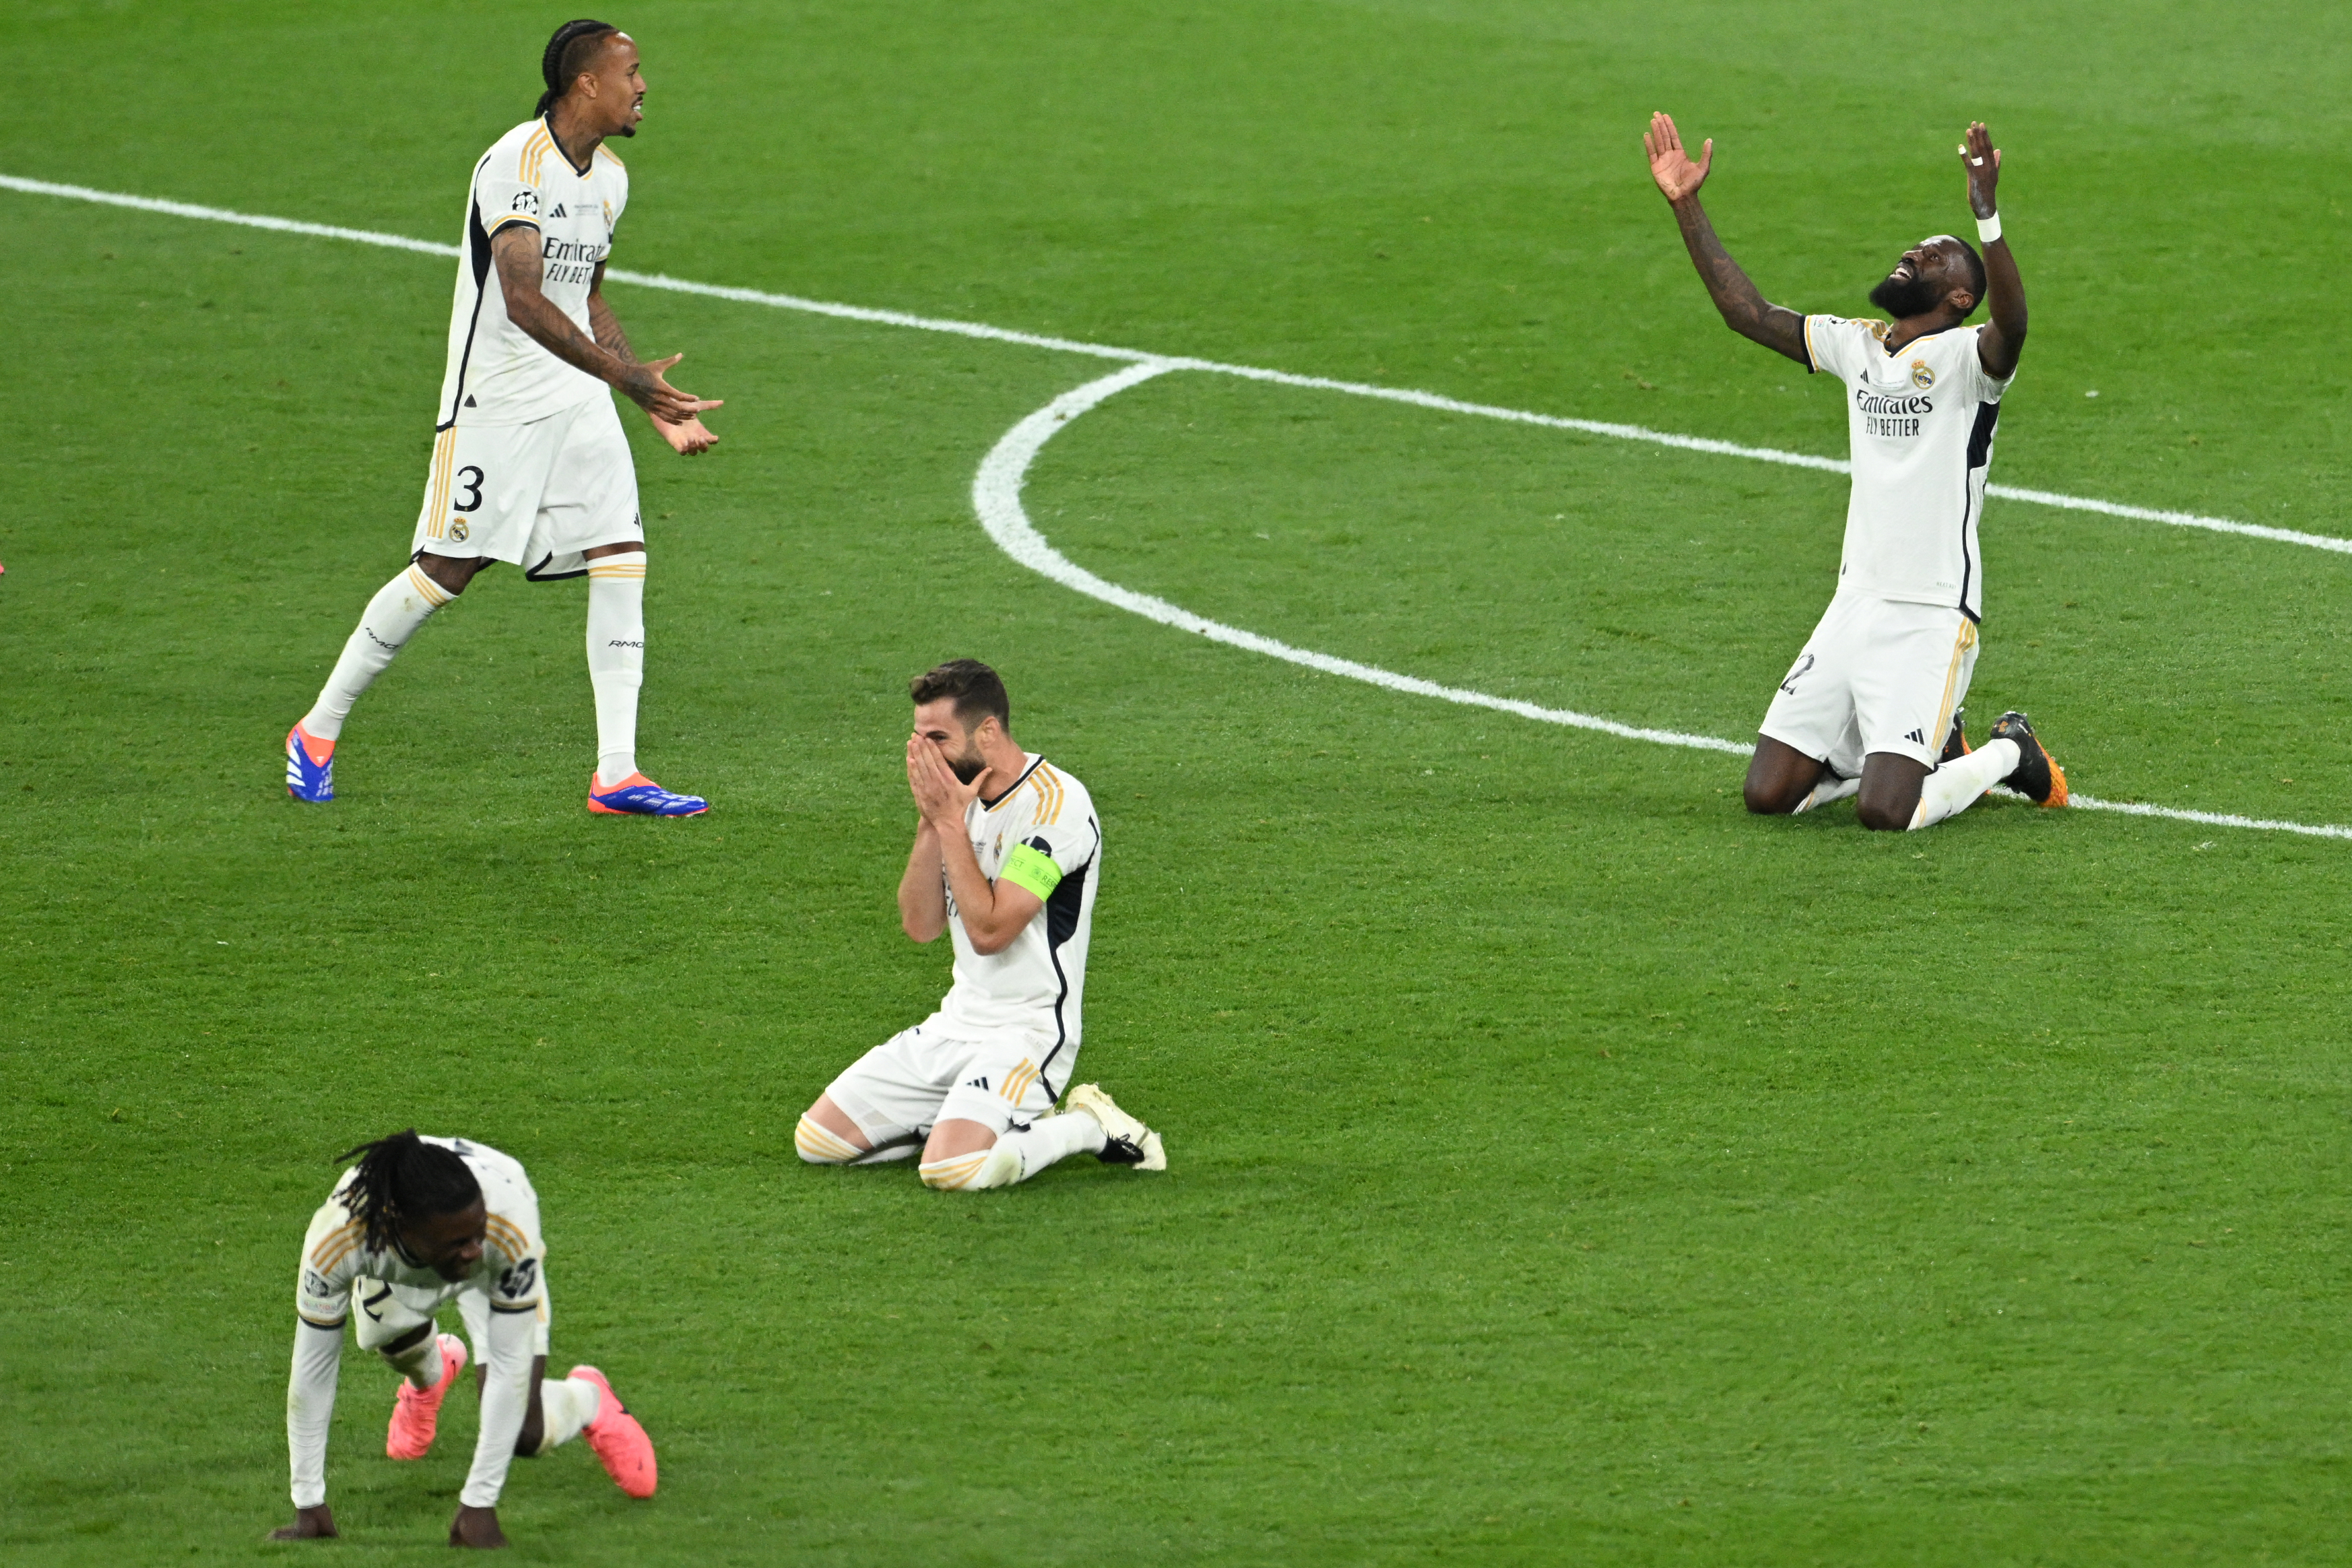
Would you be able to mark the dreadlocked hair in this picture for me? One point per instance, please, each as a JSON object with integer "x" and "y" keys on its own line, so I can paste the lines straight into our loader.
{"x": 403, "y": 1177}
{"x": 568, "y": 53}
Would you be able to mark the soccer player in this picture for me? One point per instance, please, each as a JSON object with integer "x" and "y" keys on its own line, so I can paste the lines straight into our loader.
{"x": 1007, "y": 858}
{"x": 417, "y": 1223}
{"x": 530, "y": 464}
{"x": 1872, "y": 707}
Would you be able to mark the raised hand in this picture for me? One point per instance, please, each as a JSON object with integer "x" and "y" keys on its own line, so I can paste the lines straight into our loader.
{"x": 1670, "y": 166}
{"x": 1981, "y": 160}
{"x": 644, "y": 386}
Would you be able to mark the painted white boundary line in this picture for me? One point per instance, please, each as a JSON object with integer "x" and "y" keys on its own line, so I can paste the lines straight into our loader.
{"x": 1247, "y": 372}
{"x": 996, "y": 498}
{"x": 996, "y": 489}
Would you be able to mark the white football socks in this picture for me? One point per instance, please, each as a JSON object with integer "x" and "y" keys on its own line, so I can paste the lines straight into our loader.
{"x": 616, "y": 659}
{"x": 565, "y": 1405}
{"x": 420, "y": 1362}
{"x": 1961, "y": 783}
{"x": 391, "y": 618}
{"x": 1053, "y": 1138}
{"x": 1830, "y": 788}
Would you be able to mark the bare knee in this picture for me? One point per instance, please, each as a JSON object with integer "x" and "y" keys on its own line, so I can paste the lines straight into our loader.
{"x": 953, "y": 1157}
{"x": 828, "y": 1136}
{"x": 1880, "y": 818}
{"x": 1779, "y": 779}
{"x": 451, "y": 572}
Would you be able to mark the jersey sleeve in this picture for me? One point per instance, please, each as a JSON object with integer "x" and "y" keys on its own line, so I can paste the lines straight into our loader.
{"x": 322, "y": 1285}
{"x": 1983, "y": 385}
{"x": 516, "y": 1257}
{"x": 1059, "y": 840}
{"x": 1835, "y": 345}
{"x": 504, "y": 194}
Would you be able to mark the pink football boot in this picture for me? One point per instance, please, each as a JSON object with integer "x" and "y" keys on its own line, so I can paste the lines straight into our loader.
{"x": 416, "y": 1409}
{"x": 620, "y": 1443}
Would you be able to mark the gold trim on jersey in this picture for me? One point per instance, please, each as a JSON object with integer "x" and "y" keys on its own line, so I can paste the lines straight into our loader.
{"x": 534, "y": 157}
{"x": 346, "y": 1231}
{"x": 1050, "y": 796}
{"x": 508, "y": 1237}
{"x": 608, "y": 153}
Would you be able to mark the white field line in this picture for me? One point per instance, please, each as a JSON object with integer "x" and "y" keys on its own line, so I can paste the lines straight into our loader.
{"x": 996, "y": 498}
{"x": 998, "y": 484}
{"x": 1247, "y": 372}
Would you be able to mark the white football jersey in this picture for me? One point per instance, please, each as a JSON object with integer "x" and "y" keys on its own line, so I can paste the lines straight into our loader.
{"x": 1921, "y": 422}
{"x": 335, "y": 1252}
{"x": 497, "y": 373}
{"x": 1040, "y": 834}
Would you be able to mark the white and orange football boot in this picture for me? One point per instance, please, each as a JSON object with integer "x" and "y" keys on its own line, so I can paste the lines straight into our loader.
{"x": 416, "y": 1410}
{"x": 619, "y": 1442}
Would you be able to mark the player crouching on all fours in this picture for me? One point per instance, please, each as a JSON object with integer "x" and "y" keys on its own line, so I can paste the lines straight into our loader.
{"x": 529, "y": 465}
{"x": 417, "y": 1223}
{"x": 1872, "y": 707}
{"x": 1007, "y": 857}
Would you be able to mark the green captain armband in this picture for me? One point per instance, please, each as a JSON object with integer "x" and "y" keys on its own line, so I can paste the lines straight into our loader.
{"x": 1031, "y": 868}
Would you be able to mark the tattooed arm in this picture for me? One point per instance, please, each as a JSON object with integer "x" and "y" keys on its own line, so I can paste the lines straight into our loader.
{"x": 1744, "y": 310}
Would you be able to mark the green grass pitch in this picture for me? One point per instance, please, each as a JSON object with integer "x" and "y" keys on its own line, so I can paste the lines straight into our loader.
{"x": 1566, "y": 1168}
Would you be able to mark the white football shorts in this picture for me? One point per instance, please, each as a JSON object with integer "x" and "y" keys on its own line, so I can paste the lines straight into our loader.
{"x": 937, "y": 1072}
{"x": 1877, "y": 675}
{"x": 535, "y": 494}
{"x": 382, "y": 1311}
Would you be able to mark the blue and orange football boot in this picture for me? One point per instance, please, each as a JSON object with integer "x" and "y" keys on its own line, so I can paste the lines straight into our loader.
{"x": 638, "y": 795}
{"x": 310, "y": 765}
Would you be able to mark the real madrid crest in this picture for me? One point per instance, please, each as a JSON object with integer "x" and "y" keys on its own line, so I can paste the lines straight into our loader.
{"x": 1921, "y": 377}
{"x": 457, "y": 529}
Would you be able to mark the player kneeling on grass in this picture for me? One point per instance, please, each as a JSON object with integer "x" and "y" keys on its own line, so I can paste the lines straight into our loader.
{"x": 417, "y": 1223}
{"x": 1872, "y": 707}
{"x": 1007, "y": 857}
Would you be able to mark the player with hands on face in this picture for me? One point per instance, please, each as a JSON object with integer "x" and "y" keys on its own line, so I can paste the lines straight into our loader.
{"x": 1872, "y": 708}
{"x": 530, "y": 463}
{"x": 1006, "y": 861}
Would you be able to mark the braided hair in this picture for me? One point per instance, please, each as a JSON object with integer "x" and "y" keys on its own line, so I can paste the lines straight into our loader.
{"x": 403, "y": 1177}
{"x": 568, "y": 54}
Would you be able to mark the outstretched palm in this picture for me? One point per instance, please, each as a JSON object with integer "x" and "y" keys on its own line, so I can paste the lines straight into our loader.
{"x": 1670, "y": 163}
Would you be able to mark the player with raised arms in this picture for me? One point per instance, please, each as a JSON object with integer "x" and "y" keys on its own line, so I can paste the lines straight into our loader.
{"x": 530, "y": 463}
{"x": 1872, "y": 707}
{"x": 417, "y": 1223}
{"x": 1007, "y": 859}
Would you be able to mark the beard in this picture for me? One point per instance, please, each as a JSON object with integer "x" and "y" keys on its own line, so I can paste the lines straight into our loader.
{"x": 967, "y": 767}
{"x": 1905, "y": 297}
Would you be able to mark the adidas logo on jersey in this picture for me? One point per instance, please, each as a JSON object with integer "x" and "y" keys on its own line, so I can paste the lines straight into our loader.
{"x": 557, "y": 212}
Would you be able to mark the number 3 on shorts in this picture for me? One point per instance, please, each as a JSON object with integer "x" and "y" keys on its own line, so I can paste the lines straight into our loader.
{"x": 471, "y": 477}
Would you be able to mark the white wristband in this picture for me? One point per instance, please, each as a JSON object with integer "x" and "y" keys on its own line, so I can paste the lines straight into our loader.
{"x": 1988, "y": 228}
